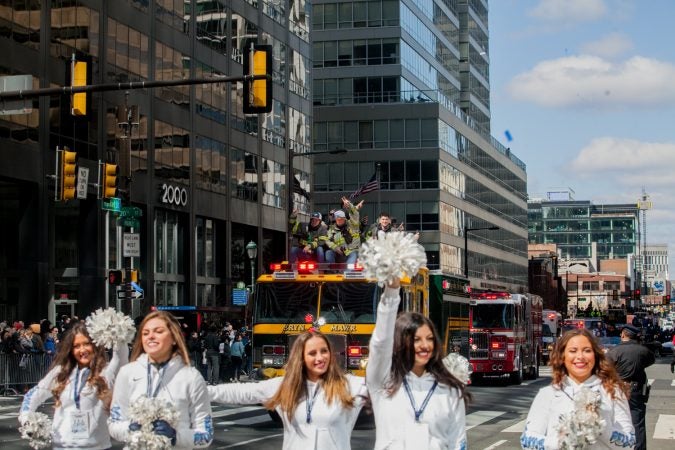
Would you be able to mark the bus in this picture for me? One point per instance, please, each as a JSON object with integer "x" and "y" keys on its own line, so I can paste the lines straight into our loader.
{"x": 336, "y": 299}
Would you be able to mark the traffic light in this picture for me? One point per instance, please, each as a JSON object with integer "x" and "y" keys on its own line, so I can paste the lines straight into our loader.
{"x": 258, "y": 93}
{"x": 66, "y": 174}
{"x": 109, "y": 177}
{"x": 666, "y": 299}
{"x": 115, "y": 277}
{"x": 132, "y": 275}
{"x": 636, "y": 294}
{"x": 78, "y": 77}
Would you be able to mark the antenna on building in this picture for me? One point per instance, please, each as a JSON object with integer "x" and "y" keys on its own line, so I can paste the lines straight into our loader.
{"x": 644, "y": 203}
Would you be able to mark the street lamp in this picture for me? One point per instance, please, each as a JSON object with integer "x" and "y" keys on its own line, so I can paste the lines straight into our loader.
{"x": 466, "y": 245}
{"x": 252, "y": 250}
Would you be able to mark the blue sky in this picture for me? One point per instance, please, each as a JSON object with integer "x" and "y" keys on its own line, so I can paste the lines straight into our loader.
{"x": 586, "y": 89}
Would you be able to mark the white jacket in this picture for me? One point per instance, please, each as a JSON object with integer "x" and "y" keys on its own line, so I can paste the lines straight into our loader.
{"x": 331, "y": 426}
{"x": 552, "y": 401}
{"x": 97, "y": 434}
{"x": 444, "y": 416}
{"x": 181, "y": 385}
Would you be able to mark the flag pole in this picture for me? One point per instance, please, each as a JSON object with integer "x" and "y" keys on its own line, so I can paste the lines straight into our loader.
{"x": 379, "y": 189}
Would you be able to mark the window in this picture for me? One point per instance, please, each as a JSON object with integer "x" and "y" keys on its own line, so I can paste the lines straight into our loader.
{"x": 330, "y": 16}
{"x": 360, "y": 14}
{"x": 169, "y": 257}
{"x": 591, "y": 286}
{"x": 365, "y": 134}
{"x": 345, "y": 53}
{"x": 345, "y": 15}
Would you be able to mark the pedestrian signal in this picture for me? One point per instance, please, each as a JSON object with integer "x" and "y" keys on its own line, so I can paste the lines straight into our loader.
{"x": 115, "y": 277}
{"x": 258, "y": 92}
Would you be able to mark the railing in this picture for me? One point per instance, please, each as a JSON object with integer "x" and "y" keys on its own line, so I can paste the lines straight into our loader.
{"x": 21, "y": 371}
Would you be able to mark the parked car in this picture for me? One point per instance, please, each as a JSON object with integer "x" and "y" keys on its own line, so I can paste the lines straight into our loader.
{"x": 608, "y": 342}
{"x": 667, "y": 348}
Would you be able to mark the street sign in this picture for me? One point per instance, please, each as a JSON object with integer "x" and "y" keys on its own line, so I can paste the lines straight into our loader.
{"x": 130, "y": 222}
{"x": 131, "y": 211}
{"x": 239, "y": 297}
{"x": 136, "y": 287}
{"x": 131, "y": 245}
{"x": 129, "y": 295}
{"x": 82, "y": 181}
{"x": 112, "y": 204}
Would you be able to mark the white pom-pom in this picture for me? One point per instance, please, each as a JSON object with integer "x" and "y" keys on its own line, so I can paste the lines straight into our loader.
{"x": 144, "y": 411}
{"x": 458, "y": 366}
{"x": 581, "y": 427}
{"x": 108, "y": 327}
{"x": 37, "y": 430}
{"x": 391, "y": 256}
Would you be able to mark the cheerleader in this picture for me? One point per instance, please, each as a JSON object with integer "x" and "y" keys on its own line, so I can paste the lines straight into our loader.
{"x": 580, "y": 369}
{"x": 81, "y": 383}
{"x": 417, "y": 403}
{"x": 161, "y": 368}
{"x": 318, "y": 403}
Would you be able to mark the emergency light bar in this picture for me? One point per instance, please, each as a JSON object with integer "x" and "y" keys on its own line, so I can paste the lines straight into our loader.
{"x": 489, "y": 295}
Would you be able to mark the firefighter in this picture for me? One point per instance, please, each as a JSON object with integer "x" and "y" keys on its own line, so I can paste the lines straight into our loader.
{"x": 344, "y": 236}
{"x": 308, "y": 238}
{"x": 631, "y": 359}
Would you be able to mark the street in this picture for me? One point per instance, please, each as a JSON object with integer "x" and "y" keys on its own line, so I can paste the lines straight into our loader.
{"x": 495, "y": 418}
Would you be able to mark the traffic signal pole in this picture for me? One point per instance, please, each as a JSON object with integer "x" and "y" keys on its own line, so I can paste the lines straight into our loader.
{"x": 70, "y": 90}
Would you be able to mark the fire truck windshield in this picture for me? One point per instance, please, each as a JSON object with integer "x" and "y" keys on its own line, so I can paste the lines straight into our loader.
{"x": 349, "y": 302}
{"x": 497, "y": 315}
{"x": 285, "y": 302}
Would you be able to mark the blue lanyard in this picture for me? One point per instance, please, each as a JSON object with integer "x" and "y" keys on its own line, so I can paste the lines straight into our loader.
{"x": 418, "y": 412}
{"x": 149, "y": 392}
{"x": 77, "y": 392}
{"x": 310, "y": 402}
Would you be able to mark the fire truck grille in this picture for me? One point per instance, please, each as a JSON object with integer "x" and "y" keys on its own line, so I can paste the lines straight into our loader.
{"x": 479, "y": 345}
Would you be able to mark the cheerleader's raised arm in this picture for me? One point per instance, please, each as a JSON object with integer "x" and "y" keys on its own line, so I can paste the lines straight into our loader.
{"x": 382, "y": 340}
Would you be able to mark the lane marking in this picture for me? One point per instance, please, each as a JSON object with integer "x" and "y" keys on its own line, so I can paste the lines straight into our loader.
{"x": 665, "y": 427}
{"x": 516, "y": 428}
{"x": 495, "y": 445}
{"x": 672, "y": 383}
{"x": 239, "y": 444}
{"x": 480, "y": 417}
{"x": 233, "y": 411}
{"x": 246, "y": 421}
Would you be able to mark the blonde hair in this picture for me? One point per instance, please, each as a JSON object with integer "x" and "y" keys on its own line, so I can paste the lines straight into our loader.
{"x": 174, "y": 328}
{"x": 293, "y": 388}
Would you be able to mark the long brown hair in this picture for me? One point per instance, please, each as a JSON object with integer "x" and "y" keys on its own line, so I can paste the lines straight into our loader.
{"x": 174, "y": 328}
{"x": 64, "y": 358}
{"x": 603, "y": 368}
{"x": 294, "y": 386}
{"x": 403, "y": 357}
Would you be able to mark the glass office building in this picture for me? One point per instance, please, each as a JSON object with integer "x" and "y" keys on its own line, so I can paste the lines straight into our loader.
{"x": 575, "y": 225}
{"x": 206, "y": 178}
{"x": 403, "y": 85}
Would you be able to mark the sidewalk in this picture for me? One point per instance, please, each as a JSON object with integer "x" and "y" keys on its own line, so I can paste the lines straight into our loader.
{"x": 661, "y": 406}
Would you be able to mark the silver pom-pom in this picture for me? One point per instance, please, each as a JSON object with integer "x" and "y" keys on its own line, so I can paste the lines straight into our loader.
{"x": 580, "y": 428}
{"x": 144, "y": 411}
{"x": 458, "y": 366}
{"x": 37, "y": 430}
{"x": 108, "y": 327}
{"x": 391, "y": 256}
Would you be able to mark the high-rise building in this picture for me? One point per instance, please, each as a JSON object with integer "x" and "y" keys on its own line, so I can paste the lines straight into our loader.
{"x": 403, "y": 85}
{"x": 584, "y": 230}
{"x": 206, "y": 179}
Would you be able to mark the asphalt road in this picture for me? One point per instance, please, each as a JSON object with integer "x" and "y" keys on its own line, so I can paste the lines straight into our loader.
{"x": 495, "y": 418}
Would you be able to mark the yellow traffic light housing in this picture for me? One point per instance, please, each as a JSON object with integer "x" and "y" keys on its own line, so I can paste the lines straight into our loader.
{"x": 67, "y": 174}
{"x": 78, "y": 77}
{"x": 258, "y": 92}
{"x": 110, "y": 172}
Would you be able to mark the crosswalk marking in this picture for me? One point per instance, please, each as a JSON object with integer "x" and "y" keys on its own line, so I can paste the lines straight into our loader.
{"x": 672, "y": 383}
{"x": 479, "y": 417}
{"x": 665, "y": 427}
{"x": 516, "y": 427}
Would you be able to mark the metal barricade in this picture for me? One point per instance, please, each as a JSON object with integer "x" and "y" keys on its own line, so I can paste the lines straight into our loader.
{"x": 21, "y": 371}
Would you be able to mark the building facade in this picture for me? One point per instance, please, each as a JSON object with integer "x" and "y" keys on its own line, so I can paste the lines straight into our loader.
{"x": 582, "y": 229}
{"x": 404, "y": 86}
{"x": 206, "y": 178}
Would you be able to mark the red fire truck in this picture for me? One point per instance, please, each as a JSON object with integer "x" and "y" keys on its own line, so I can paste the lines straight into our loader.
{"x": 505, "y": 335}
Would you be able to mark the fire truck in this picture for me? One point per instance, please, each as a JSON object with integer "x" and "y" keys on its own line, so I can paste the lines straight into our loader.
{"x": 505, "y": 335}
{"x": 335, "y": 298}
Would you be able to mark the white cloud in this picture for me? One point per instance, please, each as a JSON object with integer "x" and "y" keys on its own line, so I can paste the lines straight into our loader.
{"x": 592, "y": 82}
{"x": 569, "y": 11}
{"x": 609, "y": 46}
{"x": 635, "y": 162}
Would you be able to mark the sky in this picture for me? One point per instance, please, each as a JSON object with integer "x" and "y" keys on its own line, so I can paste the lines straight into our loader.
{"x": 586, "y": 91}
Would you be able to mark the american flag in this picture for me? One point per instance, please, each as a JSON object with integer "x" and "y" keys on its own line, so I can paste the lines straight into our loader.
{"x": 372, "y": 185}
